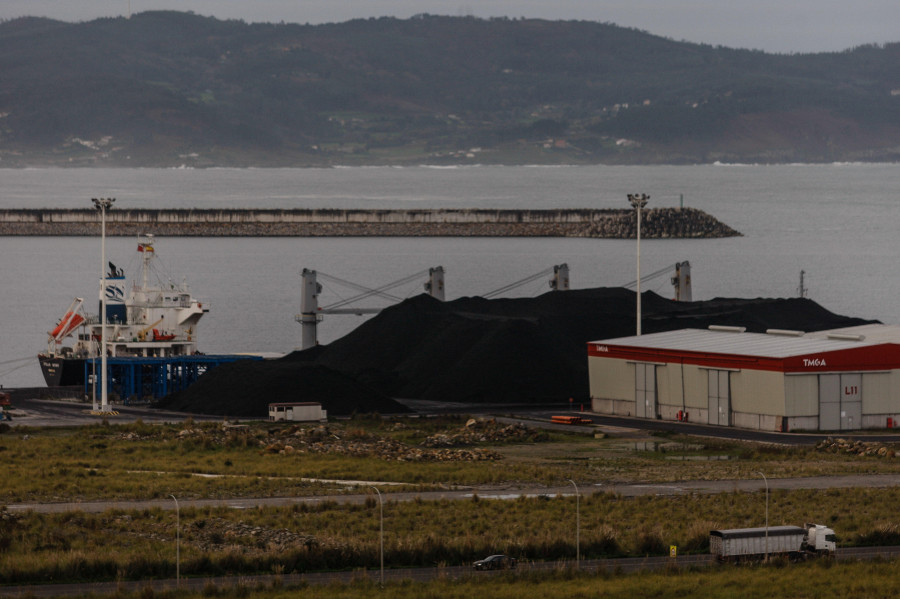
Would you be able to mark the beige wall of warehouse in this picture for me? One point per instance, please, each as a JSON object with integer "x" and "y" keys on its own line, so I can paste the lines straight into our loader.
{"x": 686, "y": 386}
{"x": 876, "y": 392}
{"x": 768, "y": 395}
{"x": 611, "y": 379}
{"x": 696, "y": 387}
{"x": 669, "y": 385}
{"x": 803, "y": 391}
{"x": 757, "y": 392}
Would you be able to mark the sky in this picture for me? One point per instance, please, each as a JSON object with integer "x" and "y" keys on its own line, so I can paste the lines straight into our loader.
{"x": 782, "y": 26}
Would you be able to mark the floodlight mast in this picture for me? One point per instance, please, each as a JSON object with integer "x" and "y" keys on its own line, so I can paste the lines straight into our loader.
{"x": 638, "y": 201}
{"x": 103, "y": 204}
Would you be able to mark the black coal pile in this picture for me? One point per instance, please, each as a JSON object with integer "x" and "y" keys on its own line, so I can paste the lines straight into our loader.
{"x": 247, "y": 387}
{"x": 478, "y": 350}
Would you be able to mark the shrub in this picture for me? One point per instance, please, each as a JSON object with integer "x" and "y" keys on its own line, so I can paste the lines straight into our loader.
{"x": 650, "y": 542}
{"x": 882, "y": 534}
{"x": 697, "y": 537}
{"x": 210, "y": 589}
{"x": 604, "y": 544}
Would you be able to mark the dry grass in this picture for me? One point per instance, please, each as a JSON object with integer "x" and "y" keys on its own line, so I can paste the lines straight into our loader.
{"x": 818, "y": 579}
{"x": 142, "y": 461}
{"x": 329, "y": 535}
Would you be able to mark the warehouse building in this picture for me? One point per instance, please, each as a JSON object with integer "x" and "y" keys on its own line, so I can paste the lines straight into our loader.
{"x": 838, "y": 380}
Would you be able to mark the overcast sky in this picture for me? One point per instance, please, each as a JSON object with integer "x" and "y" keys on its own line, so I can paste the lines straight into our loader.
{"x": 770, "y": 25}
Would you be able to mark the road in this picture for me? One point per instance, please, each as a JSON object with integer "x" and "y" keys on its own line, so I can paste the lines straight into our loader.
{"x": 707, "y": 430}
{"x": 628, "y": 564}
{"x": 60, "y": 412}
{"x": 43, "y": 412}
{"x": 498, "y": 492}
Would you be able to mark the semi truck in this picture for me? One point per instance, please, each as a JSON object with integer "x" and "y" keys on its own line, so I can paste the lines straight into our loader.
{"x": 794, "y": 542}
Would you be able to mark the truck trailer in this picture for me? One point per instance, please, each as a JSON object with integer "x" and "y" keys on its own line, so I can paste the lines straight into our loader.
{"x": 794, "y": 542}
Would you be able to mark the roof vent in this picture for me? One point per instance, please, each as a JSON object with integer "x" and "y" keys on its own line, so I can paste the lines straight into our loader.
{"x": 845, "y": 337}
{"x": 726, "y": 329}
{"x": 784, "y": 332}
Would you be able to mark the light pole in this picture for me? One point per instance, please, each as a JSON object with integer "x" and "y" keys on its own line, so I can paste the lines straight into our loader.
{"x": 765, "y": 480}
{"x": 638, "y": 201}
{"x": 577, "y": 526}
{"x": 177, "y": 544}
{"x": 103, "y": 204}
{"x": 381, "y": 531}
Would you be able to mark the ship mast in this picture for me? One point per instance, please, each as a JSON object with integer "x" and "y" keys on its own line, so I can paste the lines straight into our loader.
{"x": 802, "y": 291}
{"x": 140, "y": 294}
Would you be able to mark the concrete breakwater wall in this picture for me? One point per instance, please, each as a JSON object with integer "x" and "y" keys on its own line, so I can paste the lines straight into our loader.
{"x": 655, "y": 223}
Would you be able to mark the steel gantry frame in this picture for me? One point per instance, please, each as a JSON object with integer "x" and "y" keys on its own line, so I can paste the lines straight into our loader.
{"x": 142, "y": 379}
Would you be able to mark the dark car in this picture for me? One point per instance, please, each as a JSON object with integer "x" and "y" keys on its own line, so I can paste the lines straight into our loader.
{"x": 496, "y": 562}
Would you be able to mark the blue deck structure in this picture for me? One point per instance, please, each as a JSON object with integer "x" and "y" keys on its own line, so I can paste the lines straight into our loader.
{"x": 136, "y": 379}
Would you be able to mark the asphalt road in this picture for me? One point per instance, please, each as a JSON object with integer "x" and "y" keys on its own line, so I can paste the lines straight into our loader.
{"x": 45, "y": 412}
{"x": 719, "y": 432}
{"x": 628, "y": 564}
{"x": 497, "y": 492}
{"x": 58, "y": 412}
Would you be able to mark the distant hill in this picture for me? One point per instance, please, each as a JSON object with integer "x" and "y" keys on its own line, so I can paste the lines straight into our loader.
{"x": 171, "y": 88}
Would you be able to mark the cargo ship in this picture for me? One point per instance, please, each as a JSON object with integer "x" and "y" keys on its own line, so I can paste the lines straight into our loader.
{"x": 156, "y": 318}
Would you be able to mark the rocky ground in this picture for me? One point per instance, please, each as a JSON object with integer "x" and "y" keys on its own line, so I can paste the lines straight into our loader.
{"x": 296, "y": 440}
{"x": 857, "y": 447}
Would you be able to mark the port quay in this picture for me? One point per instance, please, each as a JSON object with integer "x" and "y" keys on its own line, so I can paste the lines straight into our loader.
{"x": 610, "y": 223}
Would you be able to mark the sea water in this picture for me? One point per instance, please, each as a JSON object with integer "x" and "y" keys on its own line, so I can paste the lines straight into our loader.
{"x": 836, "y": 223}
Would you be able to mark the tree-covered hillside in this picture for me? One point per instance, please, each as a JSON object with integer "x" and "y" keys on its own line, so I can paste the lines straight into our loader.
{"x": 176, "y": 88}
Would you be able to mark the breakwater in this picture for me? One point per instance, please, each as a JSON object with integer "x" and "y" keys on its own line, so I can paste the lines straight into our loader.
{"x": 612, "y": 223}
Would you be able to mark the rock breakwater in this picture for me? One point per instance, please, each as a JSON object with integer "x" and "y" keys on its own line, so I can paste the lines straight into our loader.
{"x": 656, "y": 223}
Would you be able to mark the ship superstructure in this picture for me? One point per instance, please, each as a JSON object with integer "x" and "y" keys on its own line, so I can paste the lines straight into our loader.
{"x": 156, "y": 318}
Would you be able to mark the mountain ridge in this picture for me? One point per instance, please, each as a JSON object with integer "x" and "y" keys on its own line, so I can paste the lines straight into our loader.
{"x": 168, "y": 88}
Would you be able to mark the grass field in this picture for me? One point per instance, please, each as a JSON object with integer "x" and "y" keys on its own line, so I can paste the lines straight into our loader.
{"x": 153, "y": 461}
{"x": 801, "y": 581}
{"x": 813, "y": 581}
{"x": 142, "y": 461}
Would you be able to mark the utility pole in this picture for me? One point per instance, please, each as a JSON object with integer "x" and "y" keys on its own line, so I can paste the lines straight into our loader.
{"x": 103, "y": 204}
{"x": 638, "y": 201}
{"x": 577, "y": 526}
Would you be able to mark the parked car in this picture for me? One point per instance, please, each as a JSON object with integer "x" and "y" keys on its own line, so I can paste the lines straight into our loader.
{"x": 496, "y": 562}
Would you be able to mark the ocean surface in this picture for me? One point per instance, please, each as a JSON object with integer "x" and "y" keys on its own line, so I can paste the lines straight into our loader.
{"x": 838, "y": 223}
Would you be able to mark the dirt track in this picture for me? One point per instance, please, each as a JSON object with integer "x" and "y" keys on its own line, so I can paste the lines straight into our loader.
{"x": 485, "y": 492}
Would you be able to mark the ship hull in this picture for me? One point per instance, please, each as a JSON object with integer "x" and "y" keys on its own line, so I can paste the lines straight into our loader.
{"x": 134, "y": 378}
{"x": 62, "y": 372}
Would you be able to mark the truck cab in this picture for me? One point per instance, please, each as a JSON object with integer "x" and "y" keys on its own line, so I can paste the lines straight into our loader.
{"x": 820, "y": 539}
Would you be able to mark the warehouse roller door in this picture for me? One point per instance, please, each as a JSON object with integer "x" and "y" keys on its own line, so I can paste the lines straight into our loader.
{"x": 840, "y": 402}
{"x": 719, "y": 397}
{"x": 645, "y": 390}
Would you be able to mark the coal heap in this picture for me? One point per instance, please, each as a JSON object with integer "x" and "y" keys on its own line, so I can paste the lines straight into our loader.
{"x": 246, "y": 388}
{"x": 477, "y": 350}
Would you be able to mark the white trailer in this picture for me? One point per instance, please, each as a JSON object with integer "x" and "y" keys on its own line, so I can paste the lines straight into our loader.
{"x": 756, "y": 543}
{"x": 297, "y": 412}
